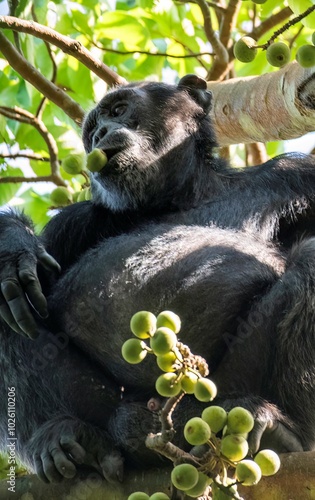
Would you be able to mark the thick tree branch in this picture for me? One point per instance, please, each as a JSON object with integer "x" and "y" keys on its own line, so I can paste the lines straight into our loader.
{"x": 66, "y": 44}
{"x": 33, "y": 76}
{"x": 229, "y": 21}
{"x": 271, "y": 107}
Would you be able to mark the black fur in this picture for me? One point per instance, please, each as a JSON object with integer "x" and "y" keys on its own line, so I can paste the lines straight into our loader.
{"x": 171, "y": 226}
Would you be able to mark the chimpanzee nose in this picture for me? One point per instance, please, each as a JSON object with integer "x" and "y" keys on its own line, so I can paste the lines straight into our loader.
{"x": 99, "y": 135}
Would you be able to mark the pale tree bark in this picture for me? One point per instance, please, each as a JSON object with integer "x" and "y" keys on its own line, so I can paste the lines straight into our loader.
{"x": 295, "y": 480}
{"x": 271, "y": 107}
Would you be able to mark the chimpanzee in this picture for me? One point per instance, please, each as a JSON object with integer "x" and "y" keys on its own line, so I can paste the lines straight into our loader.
{"x": 170, "y": 226}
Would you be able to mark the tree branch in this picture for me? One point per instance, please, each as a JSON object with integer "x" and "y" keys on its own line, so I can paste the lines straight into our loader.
{"x": 288, "y": 25}
{"x": 244, "y": 108}
{"x": 44, "y": 178}
{"x": 229, "y": 21}
{"x": 29, "y": 156}
{"x": 270, "y": 23}
{"x": 147, "y": 52}
{"x": 66, "y": 44}
{"x": 256, "y": 153}
{"x": 220, "y": 67}
{"x": 221, "y": 58}
{"x": 25, "y": 117}
{"x": 33, "y": 76}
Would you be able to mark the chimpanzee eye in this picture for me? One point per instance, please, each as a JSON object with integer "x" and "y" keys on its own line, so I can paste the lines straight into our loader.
{"x": 118, "y": 109}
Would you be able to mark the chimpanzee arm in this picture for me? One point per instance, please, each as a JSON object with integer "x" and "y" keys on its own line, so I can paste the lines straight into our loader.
{"x": 27, "y": 261}
{"x": 285, "y": 188}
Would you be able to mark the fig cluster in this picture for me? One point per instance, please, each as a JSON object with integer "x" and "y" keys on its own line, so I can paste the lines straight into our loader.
{"x": 225, "y": 436}
{"x": 183, "y": 372}
{"x": 94, "y": 161}
{"x": 75, "y": 164}
{"x": 218, "y": 437}
{"x": 277, "y": 53}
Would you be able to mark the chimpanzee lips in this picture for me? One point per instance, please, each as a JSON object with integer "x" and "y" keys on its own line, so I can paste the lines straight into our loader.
{"x": 111, "y": 152}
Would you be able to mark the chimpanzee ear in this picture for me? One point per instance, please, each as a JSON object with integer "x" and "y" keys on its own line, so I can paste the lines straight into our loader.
{"x": 197, "y": 89}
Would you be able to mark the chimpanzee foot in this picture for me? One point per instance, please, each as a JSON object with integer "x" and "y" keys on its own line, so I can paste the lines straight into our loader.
{"x": 62, "y": 444}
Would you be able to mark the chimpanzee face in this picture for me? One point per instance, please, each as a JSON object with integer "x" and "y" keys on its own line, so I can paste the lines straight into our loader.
{"x": 148, "y": 133}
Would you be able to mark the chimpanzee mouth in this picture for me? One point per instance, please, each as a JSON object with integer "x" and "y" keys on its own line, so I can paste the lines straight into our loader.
{"x": 111, "y": 152}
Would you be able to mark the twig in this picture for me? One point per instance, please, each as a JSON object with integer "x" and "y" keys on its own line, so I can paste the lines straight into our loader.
{"x": 297, "y": 34}
{"x": 43, "y": 178}
{"x": 66, "y": 44}
{"x": 169, "y": 450}
{"x": 270, "y": 23}
{"x": 25, "y": 117}
{"x": 288, "y": 25}
{"x": 147, "y": 52}
{"x": 29, "y": 156}
{"x": 167, "y": 411}
{"x": 32, "y": 75}
{"x": 260, "y": 30}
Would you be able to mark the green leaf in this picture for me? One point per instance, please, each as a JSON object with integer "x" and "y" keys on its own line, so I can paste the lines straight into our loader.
{"x": 36, "y": 207}
{"x": 9, "y": 190}
{"x": 124, "y": 27}
{"x": 82, "y": 22}
{"x": 4, "y": 137}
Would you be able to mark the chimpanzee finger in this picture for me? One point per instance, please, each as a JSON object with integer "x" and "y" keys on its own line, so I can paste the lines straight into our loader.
{"x": 255, "y": 435}
{"x": 49, "y": 468}
{"x": 19, "y": 307}
{"x": 71, "y": 446}
{"x": 7, "y": 316}
{"x": 47, "y": 261}
{"x": 63, "y": 465}
{"x": 28, "y": 277}
{"x": 39, "y": 469}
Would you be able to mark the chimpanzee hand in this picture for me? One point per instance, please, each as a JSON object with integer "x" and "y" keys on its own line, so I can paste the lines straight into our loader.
{"x": 275, "y": 435}
{"x": 21, "y": 292}
{"x": 63, "y": 443}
